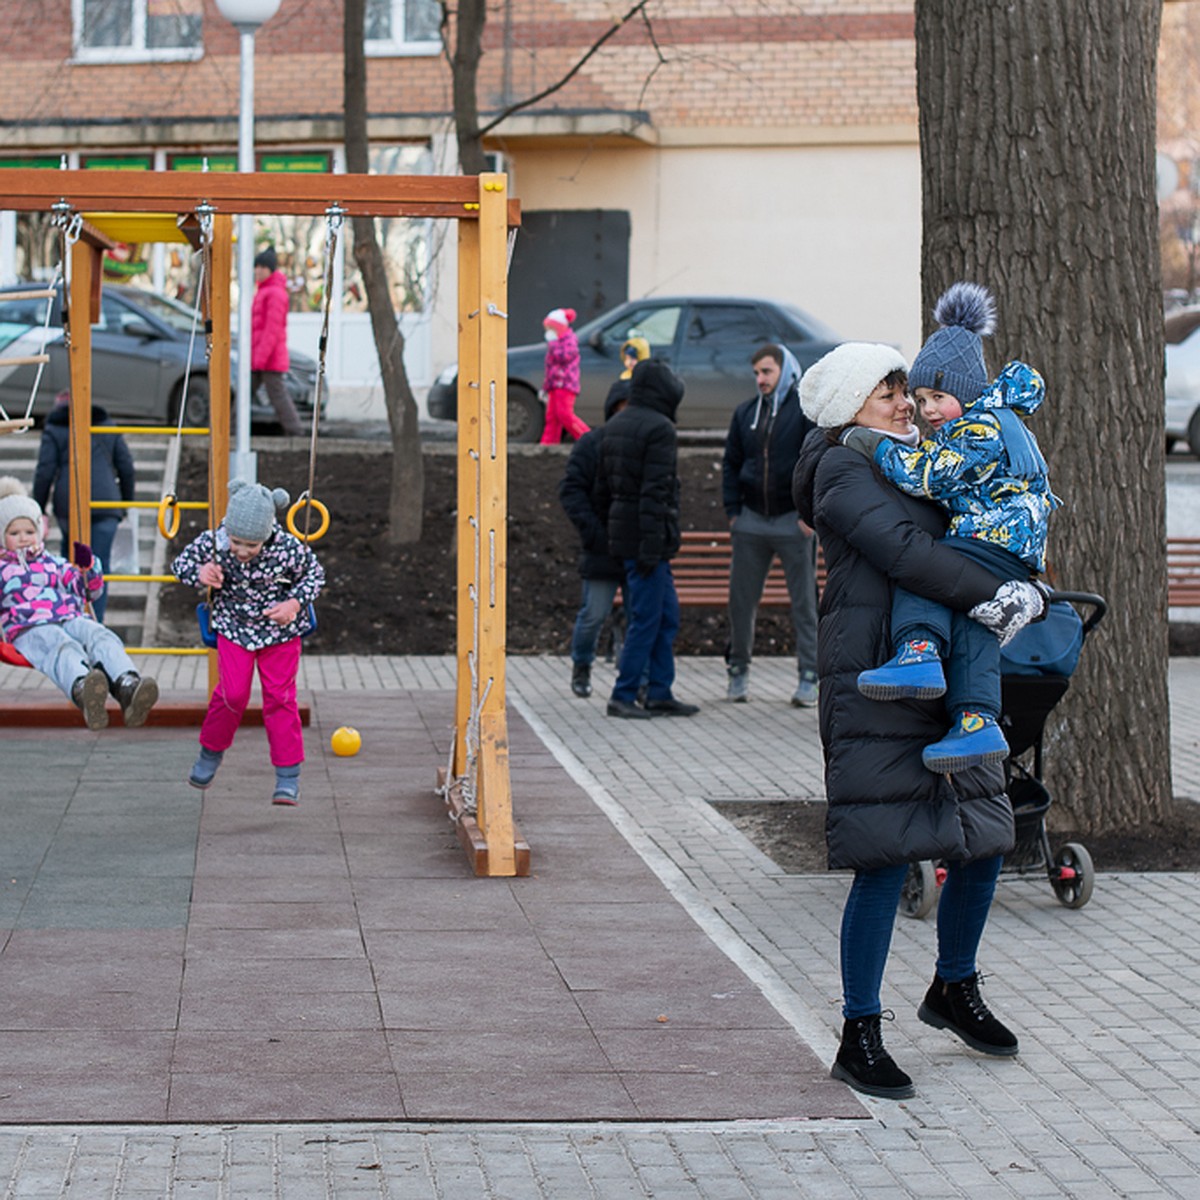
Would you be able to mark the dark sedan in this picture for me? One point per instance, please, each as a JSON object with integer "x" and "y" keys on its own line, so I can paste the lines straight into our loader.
{"x": 139, "y": 359}
{"x": 707, "y": 340}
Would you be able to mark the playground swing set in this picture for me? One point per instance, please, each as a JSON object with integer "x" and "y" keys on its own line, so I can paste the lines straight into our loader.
{"x": 93, "y": 209}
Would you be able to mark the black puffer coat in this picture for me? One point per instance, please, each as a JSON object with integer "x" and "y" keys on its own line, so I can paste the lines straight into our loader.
{"x": 884, "y": 806}
{"x": 112, "y": 465}
{"x": 639, "y": 480}
{"x": 578, "y": 494}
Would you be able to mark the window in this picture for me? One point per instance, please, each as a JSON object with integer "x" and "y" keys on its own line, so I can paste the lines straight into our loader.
{"x": 129, "y": 30}
{"x": 655, "y": 323}
{"x": 403, "y": 27}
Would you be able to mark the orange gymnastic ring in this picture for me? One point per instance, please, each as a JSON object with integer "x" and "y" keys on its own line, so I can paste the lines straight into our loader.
{"x": 306, "y": 501}
{"x": 171, "y": 505}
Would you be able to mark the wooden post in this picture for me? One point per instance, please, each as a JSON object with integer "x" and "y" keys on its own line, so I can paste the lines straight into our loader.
{"x": 221, "y": 268}
{"x": 82, "y": 298}
{"x": 494, "y": 791}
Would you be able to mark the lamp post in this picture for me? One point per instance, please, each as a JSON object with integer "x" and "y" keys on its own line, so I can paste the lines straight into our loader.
{"x": 246, "y": 16}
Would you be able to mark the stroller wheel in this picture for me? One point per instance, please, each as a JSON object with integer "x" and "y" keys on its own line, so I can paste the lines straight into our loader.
{"x": 1072, "y": 877}
{"x": 920, "y": 891}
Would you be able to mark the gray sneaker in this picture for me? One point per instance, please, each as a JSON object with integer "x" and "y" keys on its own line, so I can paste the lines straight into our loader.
{"x": 807, "y": 690}
{"x": 739, "y": 686}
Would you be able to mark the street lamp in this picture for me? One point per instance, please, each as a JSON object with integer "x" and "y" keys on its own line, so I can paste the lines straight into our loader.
{"x": 245, "y": 16}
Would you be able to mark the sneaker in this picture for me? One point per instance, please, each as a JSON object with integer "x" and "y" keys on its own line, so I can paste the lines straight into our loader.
{"x": 136, "y": 695}
{"x": 90, "y": 693}
{"x": 581, "y": 680}
{"x": 807, "y": 691}
{"x": 974, "y": 739}
{"x": 287, "y": 786}
{"x": 205, "y": 767}
{"x": 960, "y": 1008}
{"x": 738, "y": 690}
{"x": 865, "y": 1065}
{"x": 914, "y": 673}
{"x": 670, "y": 707}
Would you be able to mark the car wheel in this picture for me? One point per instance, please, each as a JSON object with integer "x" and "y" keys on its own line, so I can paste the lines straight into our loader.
{"x": 196, "y": 413}
{"x": 526, "y": 418}
{"x": 1193, "y": 433}
{"x": 1171, "y": 442}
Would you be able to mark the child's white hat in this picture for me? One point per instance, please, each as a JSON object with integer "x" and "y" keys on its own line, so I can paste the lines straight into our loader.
{"x": 14, "y": 503}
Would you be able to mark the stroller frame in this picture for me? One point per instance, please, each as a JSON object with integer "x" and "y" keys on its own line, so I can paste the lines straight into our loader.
{"x": 1026, "y": 703}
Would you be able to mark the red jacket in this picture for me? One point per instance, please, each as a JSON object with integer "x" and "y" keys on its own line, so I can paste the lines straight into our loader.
{"x": 268, "y": 325}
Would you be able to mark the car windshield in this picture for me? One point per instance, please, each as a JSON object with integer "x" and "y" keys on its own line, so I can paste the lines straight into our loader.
{"x": 808, "y": 326}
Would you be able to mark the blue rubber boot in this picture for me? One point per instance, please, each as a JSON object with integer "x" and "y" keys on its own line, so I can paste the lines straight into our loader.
{"x": 974, "y": 739}
{"x": 915, "y": 673}
{"x": 287, "y": 785}
{"x": 205, "y": 767}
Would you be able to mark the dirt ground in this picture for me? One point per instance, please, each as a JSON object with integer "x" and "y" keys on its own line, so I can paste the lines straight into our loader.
{"x": 379, "y": 600}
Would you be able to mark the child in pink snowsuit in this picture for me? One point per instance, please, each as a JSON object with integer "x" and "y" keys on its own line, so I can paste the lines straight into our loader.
{"x": 263, "y": 580}
{"x": 562, "y": 378}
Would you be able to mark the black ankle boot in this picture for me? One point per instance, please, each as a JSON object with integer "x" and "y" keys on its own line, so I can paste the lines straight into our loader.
{"x": 865, "y": 1065}
{"x": 136, "y": 695}
{"x": 960, "y": 1008}
{"x": 581, "y": 680}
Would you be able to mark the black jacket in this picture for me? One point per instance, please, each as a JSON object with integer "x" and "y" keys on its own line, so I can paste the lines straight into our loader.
{"x": 579, "y": 496}
{"x": 112, "y": 465}
{"x": 760, "y": 455}
{"x": 884, "y": 805}
{"x": 639, "y": 481}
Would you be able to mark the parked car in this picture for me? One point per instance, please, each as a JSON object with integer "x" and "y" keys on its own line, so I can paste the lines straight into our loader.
{"x": 139, "y": 359}
{"x": 707, "y": 340}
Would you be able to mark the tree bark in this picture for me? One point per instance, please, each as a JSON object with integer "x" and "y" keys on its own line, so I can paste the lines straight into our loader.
{"x": 406, "y": 499}
{"x": 470, "y": 18}
{"x": 1037, "y": 128}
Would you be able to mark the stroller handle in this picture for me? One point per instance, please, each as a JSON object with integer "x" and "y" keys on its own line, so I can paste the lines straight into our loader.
{"x": 1097, "y": 606}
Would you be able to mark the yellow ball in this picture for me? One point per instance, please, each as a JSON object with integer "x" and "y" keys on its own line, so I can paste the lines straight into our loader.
{"x": 346, "y": 741}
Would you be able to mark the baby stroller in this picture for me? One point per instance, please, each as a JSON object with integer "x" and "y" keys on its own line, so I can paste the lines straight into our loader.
{"x": 1036, "y": 668}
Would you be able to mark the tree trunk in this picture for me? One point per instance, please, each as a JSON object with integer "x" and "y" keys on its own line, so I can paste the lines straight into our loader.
{"x": 470, "y": 18}
{"x": 406, "y": 500}
{"x": 1037, "y": 125}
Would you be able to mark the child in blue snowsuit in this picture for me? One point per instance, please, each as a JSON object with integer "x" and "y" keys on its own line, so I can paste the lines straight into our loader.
{"x": 985, "y": 468}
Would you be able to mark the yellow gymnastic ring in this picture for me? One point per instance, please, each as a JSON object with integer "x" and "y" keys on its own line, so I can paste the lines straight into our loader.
{"x": 171, "y": 505}
{"x": 322, "y": 512}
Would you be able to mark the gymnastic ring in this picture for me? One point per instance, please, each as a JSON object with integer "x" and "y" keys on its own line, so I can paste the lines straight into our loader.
{"x": 169, "y": 504}
{"x": 306, "y": 501}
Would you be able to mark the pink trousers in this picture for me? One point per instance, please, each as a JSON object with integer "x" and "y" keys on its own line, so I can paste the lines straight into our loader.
{"x": 560, "y": 415}
{"x": 277, "y": 668}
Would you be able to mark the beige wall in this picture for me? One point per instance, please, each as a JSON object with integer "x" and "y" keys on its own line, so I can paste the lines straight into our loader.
{"x": 836, "y": 230}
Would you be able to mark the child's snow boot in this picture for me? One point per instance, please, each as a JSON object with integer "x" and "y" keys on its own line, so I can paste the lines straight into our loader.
{"x": 287, "y": 785}
{"x": 205, "y": 767}
{"x": 89, "y": 692}
{"x": 136, "y": 695}
{"x": 915, "y": 673}
{"x": 974, "y": 739}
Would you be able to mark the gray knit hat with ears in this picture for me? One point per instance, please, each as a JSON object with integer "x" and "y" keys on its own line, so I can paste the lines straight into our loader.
{"x": 251, "y": 512}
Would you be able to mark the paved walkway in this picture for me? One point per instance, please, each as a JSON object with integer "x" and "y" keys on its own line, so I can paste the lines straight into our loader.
{"x": 236, "y": 917}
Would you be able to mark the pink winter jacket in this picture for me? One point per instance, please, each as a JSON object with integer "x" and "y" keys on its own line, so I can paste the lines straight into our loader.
{"x": 562, "y": 363}
{"x": 268, "y": 325}
{"x": 42, "y": 589}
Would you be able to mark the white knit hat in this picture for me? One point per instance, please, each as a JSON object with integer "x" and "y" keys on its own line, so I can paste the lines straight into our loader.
{"x": 14, "y": 503}
{"x": 835, "y": 387}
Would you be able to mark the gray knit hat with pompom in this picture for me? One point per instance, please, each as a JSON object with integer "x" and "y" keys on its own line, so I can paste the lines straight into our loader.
{"x": 251, "y": 512}
{"x": 952, "y": 359}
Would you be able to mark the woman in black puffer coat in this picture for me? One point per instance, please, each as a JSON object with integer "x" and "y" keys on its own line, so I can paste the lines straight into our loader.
{"x": 886, "y": 809}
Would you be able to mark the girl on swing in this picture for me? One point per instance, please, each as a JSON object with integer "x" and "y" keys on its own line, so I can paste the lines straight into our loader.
{"x": 263, "y": 580}
{"x": 44, "y": 614}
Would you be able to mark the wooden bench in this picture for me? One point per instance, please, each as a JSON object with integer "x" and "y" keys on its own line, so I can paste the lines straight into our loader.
{"x": 701, "y": 570}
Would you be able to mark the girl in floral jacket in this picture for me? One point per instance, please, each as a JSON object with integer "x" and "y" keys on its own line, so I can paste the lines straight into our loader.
{"x": 263, "y": 580}
{"x": 44, "y": 614}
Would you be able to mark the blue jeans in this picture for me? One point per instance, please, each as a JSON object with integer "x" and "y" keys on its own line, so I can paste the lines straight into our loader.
{"x": 870, "y": 914}
{"x": 65, "y": 650}
{"x": 650, "y": 635}
{"x": 594, "y": 610}
{"x": 104, "y": 530}
{"x": 970, "y": 651}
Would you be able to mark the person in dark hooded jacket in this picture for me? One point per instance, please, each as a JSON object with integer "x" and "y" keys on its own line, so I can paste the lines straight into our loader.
{"x": 601, "y": 572}
{"x": 886, "y": 809}
{"x": 113, "y": 478}
{"x": 638, "y": 486}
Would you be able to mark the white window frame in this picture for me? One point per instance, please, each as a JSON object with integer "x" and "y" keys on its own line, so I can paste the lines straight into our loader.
{"x": 399, "y": 47}
{"x": 137, "y": 51}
